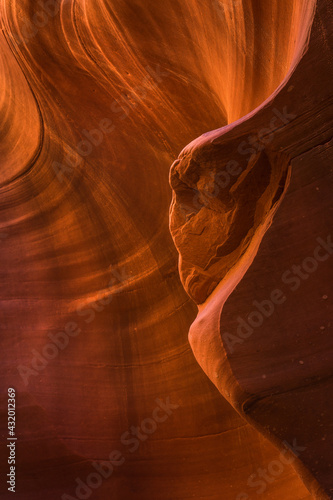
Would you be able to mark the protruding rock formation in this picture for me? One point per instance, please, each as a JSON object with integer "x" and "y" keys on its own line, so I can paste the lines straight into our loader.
{"x": 252, "y": 220}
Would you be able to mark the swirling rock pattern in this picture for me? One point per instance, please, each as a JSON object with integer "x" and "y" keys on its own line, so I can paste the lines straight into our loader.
{"x": 252, "y": 217}
{"x": 97, "y": 100}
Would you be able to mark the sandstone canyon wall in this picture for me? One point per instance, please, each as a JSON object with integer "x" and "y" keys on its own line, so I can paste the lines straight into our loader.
{"x": 97, "y": 99}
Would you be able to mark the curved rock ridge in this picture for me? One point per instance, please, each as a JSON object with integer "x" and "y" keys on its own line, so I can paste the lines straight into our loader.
{"x": 97, "y": 98}
{"x": 251, "y": 218}
{"x": 234, "y": 183}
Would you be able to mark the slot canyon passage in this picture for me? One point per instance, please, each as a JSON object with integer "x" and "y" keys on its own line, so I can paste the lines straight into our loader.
{"x": 130, "y": 380}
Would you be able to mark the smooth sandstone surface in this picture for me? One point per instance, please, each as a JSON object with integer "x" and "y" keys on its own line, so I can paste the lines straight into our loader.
{"x": 97, "y": 98}
{"x": 252, "y": 219}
